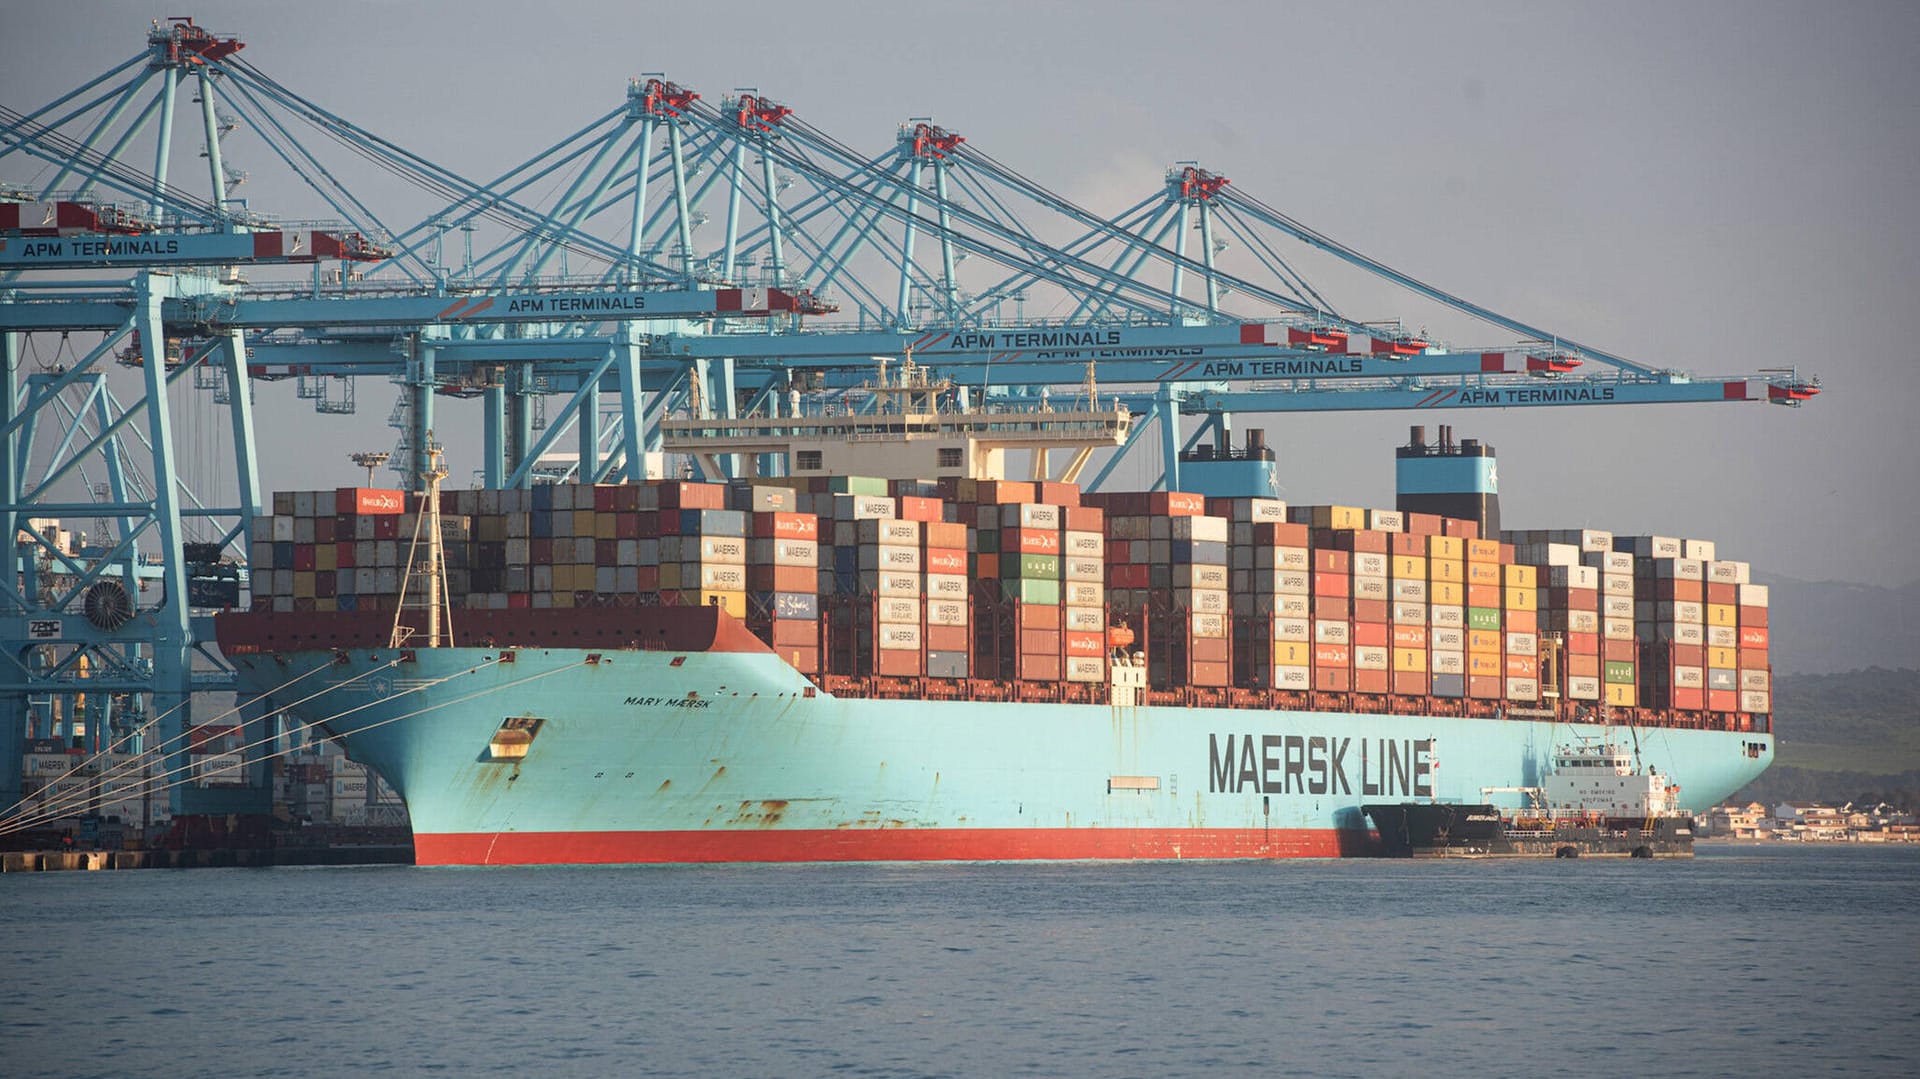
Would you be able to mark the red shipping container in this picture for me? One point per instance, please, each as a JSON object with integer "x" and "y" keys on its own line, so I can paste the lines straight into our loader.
{"x": 323, "y": 585}
{"x": 1325, "y": 561}
{"x": 1084, "y": 519}
{"x": 515, "y": 600}
{"x": 1753, "y": 637}
{"x": 1675, "y": 591}
{"x": 648, "y": 580}
{"x": 1522, "y": 667}
{"x": 1507, "y": 554}
{"x": 945, "y": 535}
{"x": 1586, "y": 644}
{"x": 1209, "y": 649}
{"x": 948, "y": 638}
{"x": 1723, "y": 593}
{"x": 1089, "y": 644}
{"x": 369, "y": 501}
{"x": 692, "y": 496}
{"x": 782, "y": 579}
{"x": 1753, "y": 616}
{"x": 1002, "y": 492}
{"x": 1131, "y": 575}
{"x": 626, "y": 524}
{"x": 1036, "y": 668}
{"x": 324, "y": 530}
{"x": 1565, "y": 599}
{"x": 1054, "y": 493}
{"x": 1692, "y": 700}
{"x": 916, "y": 508}
{"x": 540, "y": 552}
{"x": 1039, "y": 616}
{"x": 798, "y": 526}
{"x": 1332, "y": 584}
{"x": 386, "y": 528}
{"x": 603, "y": 498}
{"x": 1401, "y": 543}
{"x": 1488, "y": 595}
{"x": 303, "y": 557}
{"x": 1372, "y": 681}
{"x": 1035, "y": 642}
{"x": 1334, "y": 679}
{"x": 1484, "y": 687}
{"x": 1332, "y": 608}
{"x": 1175, "y": 504}
{"x": 1340, "y": 539}
{"x": 1373, "y": 634}
{"x": 898, "y": 663}
{"x": 1580, "y": 665}
{"x": 1454, "y": 526}
{"x": 606, "y": 552}
{"x": 1371, "y": 610}
{"x": 1723, "y": 700}
{"x": 1281, "y": 534}
{"x": 1617, "y": 651}
{"x": 1689, "y": 655}
{"x": 1029, "y": 541}
{"x": 1408, "y": 683}
{"x": 1332, "y": 655}
{"x": 989, "y": 566}
{"x": 1423, "y": 524}
{"x": 1207, "y": 674}
{"x": 1753, "y": 659}
{"x": 343, "y": 555}
{"x": 804, "y": 633}
{"x": 1523, "y": 621}
{"x": 943, "y": 560}
{"x": 649, "y": 523}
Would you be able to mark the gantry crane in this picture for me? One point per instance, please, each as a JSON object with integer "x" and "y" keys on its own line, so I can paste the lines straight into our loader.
{"x": 823, "y": 257}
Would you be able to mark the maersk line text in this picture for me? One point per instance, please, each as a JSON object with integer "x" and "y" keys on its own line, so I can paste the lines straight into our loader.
{"x": 1313, "y": 764}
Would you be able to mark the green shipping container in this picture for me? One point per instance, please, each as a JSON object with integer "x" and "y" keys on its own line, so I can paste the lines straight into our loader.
{"x": 857, "y": 485}
{"x": 1619, "y": 673}
{"x": 1032, "y": 567}
{"x": 1031, "y": 590}
{"x": 1483, "y": 618}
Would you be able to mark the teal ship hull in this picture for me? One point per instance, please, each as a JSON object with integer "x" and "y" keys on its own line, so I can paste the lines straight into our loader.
{"x": 564, "y": 755}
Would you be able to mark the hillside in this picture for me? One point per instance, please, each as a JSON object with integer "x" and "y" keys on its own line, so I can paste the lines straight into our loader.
{"x": 1844, "y": 736}
{"x": 1826, "y": 627}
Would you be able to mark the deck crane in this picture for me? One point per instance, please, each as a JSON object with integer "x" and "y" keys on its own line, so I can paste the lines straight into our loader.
{"x": 696, "y": 249}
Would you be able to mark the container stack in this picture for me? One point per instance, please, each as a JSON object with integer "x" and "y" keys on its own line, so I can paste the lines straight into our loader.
{"x": 1521, "y": 640}
{"x": 1410, "y": 592}
{"x": 1486, "y": 622}
{"x": 1446, "y": 570}
{"x": 1669, "y": 621}
{"x": 1619, "y": 655}
{"x": 1378, "y": 665}
{"x": 1756, "y": 668}
{"x": 783, "y": 580}
{"x": 1083, "y": 595}
{"x": 1020, "y": 548}
{"x": 1272, "y": 588}
{"x": 1167, "y": 571}
{"x": 703, "y": 548}
{"x": 880, "y": 585}
{"x": 344, "y": 550}
{"x": 943, "y": 558}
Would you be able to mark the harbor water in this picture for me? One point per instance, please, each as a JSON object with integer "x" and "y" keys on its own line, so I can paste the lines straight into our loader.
{"x": 1748, "y": 961}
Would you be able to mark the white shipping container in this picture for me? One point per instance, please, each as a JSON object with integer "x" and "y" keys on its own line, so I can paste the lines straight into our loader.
{"x": 1448, "y": 639}
{"x": 1583, "y": 689}
{"x": 1522, "y": 644}
{"x": 1409, "y": 589}
{"x": 1753, "y": 595}
{"x": 1617, "y": 606}
{"x": 1369, "y": 658}
{"x": 1447, "y": 662}
{"x": 1448, "y": 614}
{"x": 713, "y": 578}
{"x": 1573, "y": 577}
{"x": 222, "y": 770}
{"x": 783, "y": 552}
{"x": 1615, "y": 586}
{"x": 1587, "y": 539}
{"x": 1287, "y": 558}
{"x": 1084, "y": 545}
{"x": 1297, "y": 679}
{"x": 1374, "y": 588}
{"x": 1292, "y": 629}
{"x": 1083, "y": 593}
{"x": 1292, "y": 606}
{"x": 1649, "y": 546}
{"x": 1259, "y": 509}
{"x": 1368, "y": 564}
{"x": 1756, "y": 701}
{"x": 1752, "y": 680}
{"x": 1086, "y": 668}
{"x": 1616, "y": 629}
{"x": 1523, "y": 689}
{"x": 1083, "y": 569}
{"x": 1386, "y": 521}
{"x": 1284, "y": 582}
{"x": 1209, "y": 600}
{"x": 1409, "y": 614}
{"x": 947, "y": 586}
{"x": 1193, "y": 576}
{"x": 1547, "y": 554}
{"x": 1723, "y": 637}
{"x": 898, "y": 638}
{"x": 862, "y": 507}
{"x": 1729, "y": 572}
{"x": 1023, "y": 515}
{"x": 1703, "y": 550}
{"x": 888, "y": 583}
{"x": 898, "y": 610}
{"x": 350, "y": 787}
{"x": 1084, "y": 620}
{"x": 887, "y": 556}
{"x": 1681, "y": 611}
{"x": 1689, "y": 677}
{"x": 887, "y": 530}
{"x": 1608, "y": 561}
{"x": 1201, "y": 529}
{"x": 1209, "y": 625}
{"x": 1326, "y": 632}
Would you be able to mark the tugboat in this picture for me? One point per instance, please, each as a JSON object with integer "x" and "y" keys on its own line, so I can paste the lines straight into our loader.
{"x": 1596, "y": 803}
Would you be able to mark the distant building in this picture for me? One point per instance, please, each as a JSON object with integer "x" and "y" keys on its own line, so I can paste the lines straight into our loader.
{"x": 1739, "y": 822}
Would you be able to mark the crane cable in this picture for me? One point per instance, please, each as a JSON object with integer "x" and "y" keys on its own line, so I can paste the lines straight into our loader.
{"x": 123, "y": 768}
{"x": 148, "y": 786}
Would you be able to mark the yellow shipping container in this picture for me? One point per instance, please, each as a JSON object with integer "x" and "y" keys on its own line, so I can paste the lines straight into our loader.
{"x": 1446, "y": 569}
{"x": 1622, "y": 696}
{"x": 1483, "y": 573}
{"x": 1447, "y": 593}
{"x": 734, "y": 603}
{"x": 326, "y": 558}
{"x": 1479, "y": 664}
{"x": 326, "y": 603}
{"x": 303, "y": 585}
{"x": 1483, "y": 642}
{"x": 1724, "y": 658}
{"x": 1410, "y": 660}
{"x": 1483, "y": 550}
{"x": 1522, "y": 599}
{"x": 669, "y": 576}
{"x": 1722, "y": 614}
{"x": 1292, "y": 654}
{"x": 1410, "y": 567}
{"x": 1446, "y": 547}
{"x": 603, "y": 526}
{"x": 582, "y": 523}
{"x": 1522, "y": 576}
{"x": 563, "y": 599}
{"x": 1339, "y": 517}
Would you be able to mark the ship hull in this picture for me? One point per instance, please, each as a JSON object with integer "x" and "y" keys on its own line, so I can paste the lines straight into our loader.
{"x": 652, "y": 756}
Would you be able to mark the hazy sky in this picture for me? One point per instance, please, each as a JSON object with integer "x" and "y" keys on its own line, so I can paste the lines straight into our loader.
{"x": 1717, "y": 187}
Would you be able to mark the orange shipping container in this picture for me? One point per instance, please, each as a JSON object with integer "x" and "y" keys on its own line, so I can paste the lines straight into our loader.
{"x": 800, "y": 526}
{"x": 1332, "y": 655}
{"x": 945, "y": 560}
{"x": 1753, "y": 637}
{"x": 1522, "y": 667}
{"x": 1583, "y": 666}
{"x": 1086, "y": 644}
{"x": 1523, "y": 621}
{"x": 1410, "y": 636}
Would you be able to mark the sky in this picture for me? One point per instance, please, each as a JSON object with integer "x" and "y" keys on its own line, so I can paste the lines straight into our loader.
{"x": 1720, "y": 187}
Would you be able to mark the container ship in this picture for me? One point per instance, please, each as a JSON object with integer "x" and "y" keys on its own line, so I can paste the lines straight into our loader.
{"x": 890, "y": 652}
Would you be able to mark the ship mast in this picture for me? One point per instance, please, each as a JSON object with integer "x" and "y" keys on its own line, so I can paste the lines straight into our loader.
{"x": 434, "y": 584}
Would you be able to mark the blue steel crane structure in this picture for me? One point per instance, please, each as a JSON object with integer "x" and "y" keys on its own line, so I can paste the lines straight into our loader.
{"x": 609, "y": 290}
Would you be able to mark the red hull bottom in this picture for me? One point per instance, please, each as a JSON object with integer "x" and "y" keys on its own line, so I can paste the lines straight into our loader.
{"x": 887, "y": 845}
